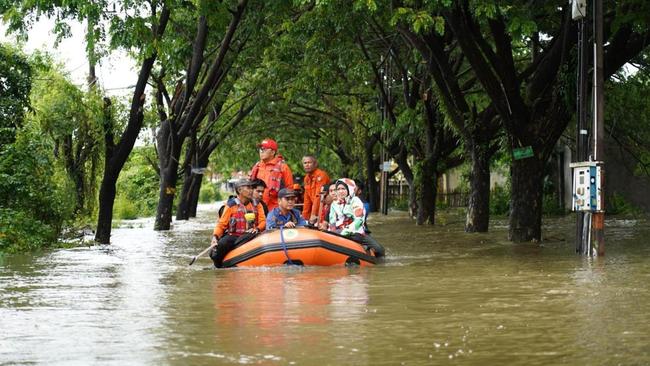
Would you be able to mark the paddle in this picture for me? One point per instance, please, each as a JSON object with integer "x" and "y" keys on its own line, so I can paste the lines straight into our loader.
{"x": 201, "y": 254}
{"x": 250, "y": 220}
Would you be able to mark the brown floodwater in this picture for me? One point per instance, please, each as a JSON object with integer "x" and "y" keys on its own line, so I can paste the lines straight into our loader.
{"x": 442, "y": 297}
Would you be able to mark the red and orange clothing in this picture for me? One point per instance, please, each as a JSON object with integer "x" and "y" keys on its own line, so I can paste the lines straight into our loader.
{"x": 325, "y": 213}
{"x": 276, "y": 174}
{"x": 233, "y": 220}
{"x": 314, "y": 181}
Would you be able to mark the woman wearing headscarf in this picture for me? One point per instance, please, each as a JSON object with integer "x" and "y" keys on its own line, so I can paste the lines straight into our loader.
{"x": 348, "y": 216}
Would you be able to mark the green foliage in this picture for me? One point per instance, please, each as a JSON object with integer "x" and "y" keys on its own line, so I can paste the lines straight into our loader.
{"x": 627, "y": 115}
{"x": 137, "y": 186}
{"x": 399, "y": 203}
{"x": 15, "y": 85}
{"x": 500, "y": 200}
{"x": 210, "y": 192}
{"x": 551, "y": 205}
{"x": 618, "y": 205}
{"x": 124, "y": 208}
{"x": 35, "y": 196}
{"x": 420, "y": 21}
{"x": 72, "y": 119}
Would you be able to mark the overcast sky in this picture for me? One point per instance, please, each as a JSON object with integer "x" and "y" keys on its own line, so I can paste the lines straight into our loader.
{"x": 116, "y": 73}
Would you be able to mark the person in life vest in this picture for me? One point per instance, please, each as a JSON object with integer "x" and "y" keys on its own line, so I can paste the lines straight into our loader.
{"x": 315, "y": 179}
{"x": 285, "y": 216}
{"x": 240, "y": 222}
{"x": 273, "y": 170}
{"x": 348, "y": 216}
{"x": 258, "y": 192}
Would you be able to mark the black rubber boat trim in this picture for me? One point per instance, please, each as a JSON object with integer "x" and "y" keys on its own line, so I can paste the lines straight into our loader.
{"x": 299, "y": 245}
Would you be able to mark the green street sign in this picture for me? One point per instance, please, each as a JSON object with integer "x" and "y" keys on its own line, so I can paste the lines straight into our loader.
{"x": 523, "y": 152}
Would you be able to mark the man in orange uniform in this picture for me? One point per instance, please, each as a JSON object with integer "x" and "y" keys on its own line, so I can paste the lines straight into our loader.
{"x": 315, "y": 179}
{"x": 233, "y": 226}
{"x": 273, "y": 171}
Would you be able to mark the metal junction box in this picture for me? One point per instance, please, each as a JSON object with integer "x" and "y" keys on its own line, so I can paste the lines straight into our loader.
{"x": 587, "y": 186}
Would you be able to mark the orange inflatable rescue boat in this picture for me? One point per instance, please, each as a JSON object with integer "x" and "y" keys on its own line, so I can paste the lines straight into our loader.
{"x": 299, "y": 246}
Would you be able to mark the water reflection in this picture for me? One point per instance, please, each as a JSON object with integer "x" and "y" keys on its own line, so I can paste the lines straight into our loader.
{"x": 443, "y": 297}
{"x": 263, "y": 308}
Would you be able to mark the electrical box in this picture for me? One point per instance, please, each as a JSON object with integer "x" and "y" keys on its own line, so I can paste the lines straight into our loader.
{"x": 578, "y": 9}
{"x": 587, "y": 186}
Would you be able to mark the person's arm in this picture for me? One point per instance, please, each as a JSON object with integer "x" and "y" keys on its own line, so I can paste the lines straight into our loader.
{"x": 287, "y": 176}
{"x": 261, "y": 218}
{"x": 222, "y": 224}
{"x": 307, "y": 204}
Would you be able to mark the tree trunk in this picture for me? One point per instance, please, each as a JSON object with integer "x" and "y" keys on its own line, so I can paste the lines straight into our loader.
{"x": 183, "y": 208}
{"x": 80, "y": 188}
{"x": 168, "y": 154}
{"x": 195, "y": 190}
{"x": 426, "y": 193}
{"x": 182, "y": 211}
{"x": 406, "y": 170}
{"x": 372, "y": 187}
{"x": 168, "y": 178}
{"x": 478, "y": 209}
{"x": 526, "y": 200}
{"x": 116, "y": 155}
{"x": 106, "y": 200}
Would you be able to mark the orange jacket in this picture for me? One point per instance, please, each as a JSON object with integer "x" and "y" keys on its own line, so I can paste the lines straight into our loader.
{"x": 314, "y": 181}
{"x": 224, "y": 220}
{"x": 276, "y": 174}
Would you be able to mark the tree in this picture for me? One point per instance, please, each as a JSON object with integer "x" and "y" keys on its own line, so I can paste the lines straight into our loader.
{"x": 529, "y": 93}
{"x": 72, "y": 118}
{"x": 15, "y": 85}
{"x": 471, "y": 117}
{"x": 191, "y": 101}
{"x": 142, "y": 29}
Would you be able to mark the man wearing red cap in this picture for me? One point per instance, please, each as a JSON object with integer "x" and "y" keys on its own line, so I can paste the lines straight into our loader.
{"x": 273, "y": 171}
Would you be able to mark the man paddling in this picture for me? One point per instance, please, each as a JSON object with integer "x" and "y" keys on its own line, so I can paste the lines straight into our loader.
{"x": 240, "y": 220}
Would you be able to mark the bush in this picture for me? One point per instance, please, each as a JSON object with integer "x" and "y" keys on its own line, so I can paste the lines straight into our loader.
{"x": 618, "y": 205}
{"x": 137, "y": 187}
{"x": 19, "y": 232}
{"x": 210, "y": 193}
{"x": 125, "y": 209}
{"x": 399, "y": 203}
{"x": 500, "y": 201}
{"x": 36, "y": 198}
{"x": 551, "y": 206}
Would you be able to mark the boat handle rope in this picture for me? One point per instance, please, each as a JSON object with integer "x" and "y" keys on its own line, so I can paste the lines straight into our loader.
{"x": 284, "y": 245}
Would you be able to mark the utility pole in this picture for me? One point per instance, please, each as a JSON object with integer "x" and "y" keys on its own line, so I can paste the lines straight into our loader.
{"x": 582, "y": 132}
{"x": 383, "y": 156}
{"x": 588, "y": 170}
{"x": 598, "y": 220}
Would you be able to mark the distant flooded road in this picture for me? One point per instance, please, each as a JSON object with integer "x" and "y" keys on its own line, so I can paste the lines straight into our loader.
{"x": 442, "y": 297}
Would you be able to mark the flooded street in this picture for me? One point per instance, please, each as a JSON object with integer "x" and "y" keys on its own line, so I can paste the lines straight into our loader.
{"x": 442, "y": 297}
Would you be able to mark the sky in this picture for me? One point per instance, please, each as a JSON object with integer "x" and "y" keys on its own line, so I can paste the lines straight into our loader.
{"x": 116, "y": 73}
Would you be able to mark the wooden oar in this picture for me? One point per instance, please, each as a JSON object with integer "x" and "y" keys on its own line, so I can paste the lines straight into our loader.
{"x": 201, "y": 254}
